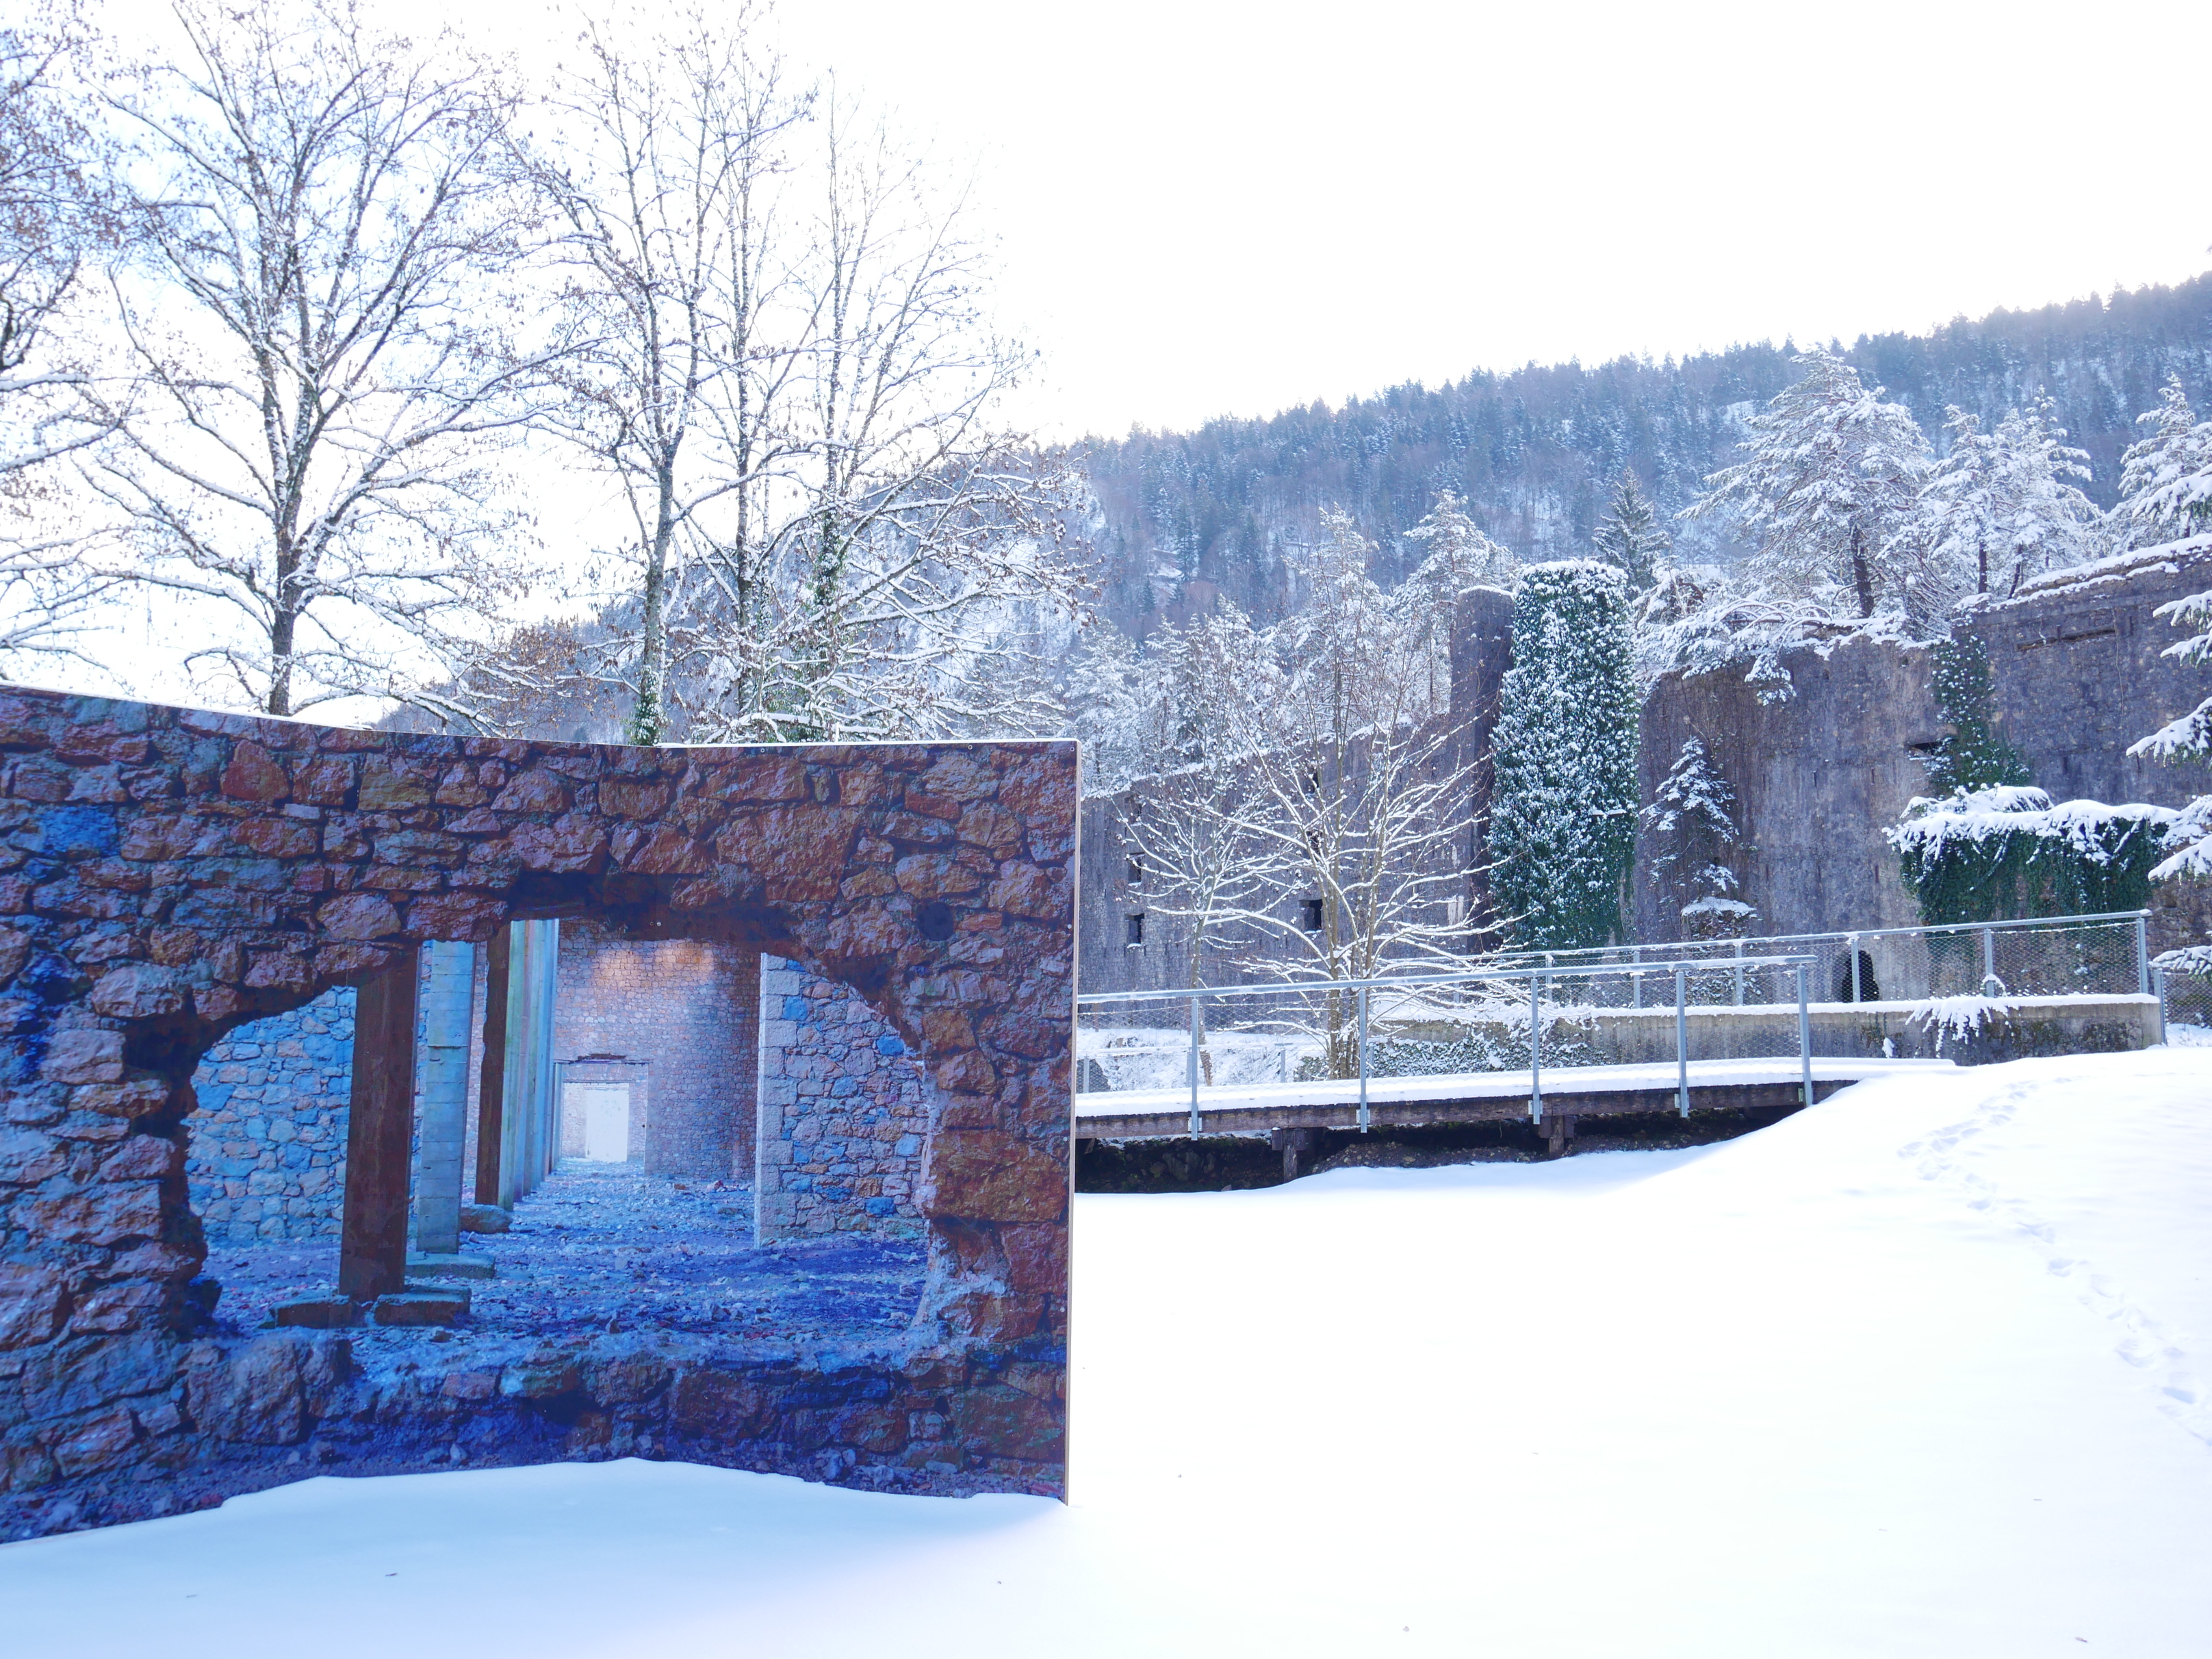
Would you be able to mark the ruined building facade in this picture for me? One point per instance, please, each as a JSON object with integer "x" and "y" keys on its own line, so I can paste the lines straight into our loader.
{"x": 2079, "y": 670}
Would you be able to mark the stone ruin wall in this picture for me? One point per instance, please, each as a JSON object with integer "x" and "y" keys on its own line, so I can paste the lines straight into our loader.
{"x": 849, "y": 1109}
{"x": 843, "y": 1113}
{"x": 168, "y": 876}
{"x": 1816, "y": 774}
{"x": 267, "y": 1150}
{"x": 2081, "y": 672}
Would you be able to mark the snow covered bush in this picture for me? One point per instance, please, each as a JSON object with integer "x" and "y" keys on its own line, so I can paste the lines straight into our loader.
{"x": 1563, "y": 806}
{"x": 1958, "y": 1019}
{"x": 2006, "y": 852}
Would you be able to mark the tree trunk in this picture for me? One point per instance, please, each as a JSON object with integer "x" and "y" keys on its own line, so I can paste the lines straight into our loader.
{"x": 649, "y": 718}
{"x": 1861, "y": 577}
{"x": 282, "y": 631}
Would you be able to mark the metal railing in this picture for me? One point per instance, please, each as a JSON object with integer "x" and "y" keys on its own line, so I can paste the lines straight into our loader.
{"x": 1331, "y": 1022}
{"x": 2107, "y": 954}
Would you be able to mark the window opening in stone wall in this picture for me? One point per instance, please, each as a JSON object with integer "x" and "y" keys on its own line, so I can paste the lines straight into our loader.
{"x": 1135, "y": 925}
{"x": 1310, "y": 919}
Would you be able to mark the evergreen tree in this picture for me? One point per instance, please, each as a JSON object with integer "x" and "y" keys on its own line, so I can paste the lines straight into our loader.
{"x": 2162, "y": 475}
{"x": 2167, "y": 503}
{"x": 1692, "y": 821}
{"x": 1972, "y": 757}
{"x": 1831, "y": 475}
{"x": 1563, "y": 807}
{"x": 1630, "y": 539}
{"x": 2043, "y": 520}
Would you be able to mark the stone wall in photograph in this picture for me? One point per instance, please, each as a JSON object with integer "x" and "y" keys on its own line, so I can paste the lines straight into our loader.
{"x": 844, "y": 1112}
{"x": 267, "y": 1153}
{"x": 168, "y": 876}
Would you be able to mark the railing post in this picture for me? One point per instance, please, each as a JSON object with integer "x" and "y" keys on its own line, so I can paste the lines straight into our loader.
{"x": 1635, "y": 980}
{"x": 1362, "y": 1059}
{"x": 2158, "y": 978}
{"x": 1805, "y": 1033}
{"x": 1535, "y": 1054}
{"x": 1988, "y": 959}
{"x": 1682, "y": 1039}
{"x": 2143, "y": 958}
{"x": 1195, "y": 1119}
{"x": 1851, "y": 944}
{"x": 1739, "y": 973}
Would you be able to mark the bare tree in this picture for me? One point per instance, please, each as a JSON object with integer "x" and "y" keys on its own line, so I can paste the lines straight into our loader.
{"x": 658, "y": 161}
{"x": 324, "y": 351}
{"x": 785, "y": 364}
{"x": 52, "y": 217}
{"x": 886, "y": 575}
{"x": 1347, "y": 804}
{"x": 1190, "y": 830}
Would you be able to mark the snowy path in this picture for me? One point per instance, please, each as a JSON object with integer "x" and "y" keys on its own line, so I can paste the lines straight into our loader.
{"x": 1918, "y": 1371}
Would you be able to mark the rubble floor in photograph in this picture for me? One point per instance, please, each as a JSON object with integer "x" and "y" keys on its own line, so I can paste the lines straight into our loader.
{"x": 601, "y": 1248}
{"x": 1923, "y": 1372}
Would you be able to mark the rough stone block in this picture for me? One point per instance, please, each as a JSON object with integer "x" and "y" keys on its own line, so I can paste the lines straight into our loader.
{"x": 484, "y": 1218}
{"x": 432, "y": 1266}
{"x": 318, "y": 1313}
{"x": 420, "y": 1305}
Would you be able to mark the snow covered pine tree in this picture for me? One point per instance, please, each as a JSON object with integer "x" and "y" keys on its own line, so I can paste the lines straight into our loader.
{"x": 1691, "y": 820}
{"x": 1629, "y": 537}
{"x": 1563, "y": 811}
{"x": 2167, "y": 503}
{"x": 1831, "y": 474}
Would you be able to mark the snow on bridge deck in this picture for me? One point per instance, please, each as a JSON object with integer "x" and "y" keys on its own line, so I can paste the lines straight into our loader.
{"x": 1473, "y": 1097}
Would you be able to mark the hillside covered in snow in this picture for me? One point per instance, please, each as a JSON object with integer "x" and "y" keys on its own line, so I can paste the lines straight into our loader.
{"x": 1535, "y": 450}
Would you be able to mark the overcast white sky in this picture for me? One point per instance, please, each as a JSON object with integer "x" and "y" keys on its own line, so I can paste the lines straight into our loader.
{"x": 1211, "y": 209}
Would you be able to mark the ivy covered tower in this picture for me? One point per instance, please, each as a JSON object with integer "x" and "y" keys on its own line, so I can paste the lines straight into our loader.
{"x": 1563, "y": 808}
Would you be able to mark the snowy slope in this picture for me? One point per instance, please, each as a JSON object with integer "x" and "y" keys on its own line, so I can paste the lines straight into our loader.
{"x": 1920, "y": 1371}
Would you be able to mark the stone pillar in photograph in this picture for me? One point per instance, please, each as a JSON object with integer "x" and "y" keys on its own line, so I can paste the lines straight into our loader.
{"x": 442, "y": 1104}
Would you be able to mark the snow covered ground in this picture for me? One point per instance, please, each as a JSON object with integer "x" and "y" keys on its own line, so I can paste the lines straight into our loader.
{"x": 1920, "y": 1372}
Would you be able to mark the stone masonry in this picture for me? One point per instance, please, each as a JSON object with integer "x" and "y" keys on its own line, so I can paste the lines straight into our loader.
{"x": 843, "y": 1113}
{"x": 1817, "y": 775}
{"x": 267, "y": 1153}
{"x": 167, "y": 876}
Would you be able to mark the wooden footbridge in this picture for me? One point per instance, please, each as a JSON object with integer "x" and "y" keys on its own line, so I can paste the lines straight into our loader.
{"x": 1554, "y": 1099}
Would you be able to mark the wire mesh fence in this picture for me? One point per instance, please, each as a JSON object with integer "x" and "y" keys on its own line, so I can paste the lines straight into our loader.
{"x": 1694, "y": 1004}
{"x": 2185, "y": 1002}
{"x": 1217, "y": 1047}
{"x": 2100, "y": 955}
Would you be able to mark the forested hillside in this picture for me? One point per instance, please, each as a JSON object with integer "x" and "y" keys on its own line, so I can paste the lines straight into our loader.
{"x": 1535, "y": 451}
